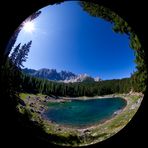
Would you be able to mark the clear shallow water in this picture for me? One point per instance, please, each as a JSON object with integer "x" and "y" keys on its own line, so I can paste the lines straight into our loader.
{"x": 83, "y": 113}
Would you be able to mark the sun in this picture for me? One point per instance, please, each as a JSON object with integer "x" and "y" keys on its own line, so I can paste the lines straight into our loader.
{"x": 29, "y": 27}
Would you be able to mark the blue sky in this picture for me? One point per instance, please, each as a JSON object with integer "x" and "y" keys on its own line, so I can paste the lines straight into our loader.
{"x": 67, "y": 38}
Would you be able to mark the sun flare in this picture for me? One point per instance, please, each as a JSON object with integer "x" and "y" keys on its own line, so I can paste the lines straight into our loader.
{"x": 29, "y": 27}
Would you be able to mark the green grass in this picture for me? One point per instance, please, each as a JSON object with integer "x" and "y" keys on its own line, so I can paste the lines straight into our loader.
{"x": 23, "y": 96}
{"x": 134, "y": 98}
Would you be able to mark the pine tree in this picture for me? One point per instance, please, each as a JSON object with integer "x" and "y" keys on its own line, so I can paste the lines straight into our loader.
{"x": 15, "y": 53}
{"x": 22, "y": 54}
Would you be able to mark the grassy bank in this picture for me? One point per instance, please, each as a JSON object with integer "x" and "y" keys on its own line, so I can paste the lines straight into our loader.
{"x": 35, "y": 105}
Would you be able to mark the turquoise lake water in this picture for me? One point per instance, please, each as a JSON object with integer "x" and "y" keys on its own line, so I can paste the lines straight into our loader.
{"x": 83, "y": 113}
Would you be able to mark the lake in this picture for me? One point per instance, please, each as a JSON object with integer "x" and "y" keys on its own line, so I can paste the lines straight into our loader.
{"x": 84, "y": 113}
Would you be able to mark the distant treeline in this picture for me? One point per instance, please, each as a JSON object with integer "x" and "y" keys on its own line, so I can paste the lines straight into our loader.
{"x": 17, "y": 82}
{"x": 31, "y": 84}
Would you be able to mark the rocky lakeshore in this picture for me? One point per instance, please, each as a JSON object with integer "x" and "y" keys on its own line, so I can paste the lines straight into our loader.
{"x": 37, "y": 105}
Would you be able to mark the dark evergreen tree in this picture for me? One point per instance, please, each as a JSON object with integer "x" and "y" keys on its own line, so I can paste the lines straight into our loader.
{"x": 14, "y": 53}
{"x": 22, "y": 55}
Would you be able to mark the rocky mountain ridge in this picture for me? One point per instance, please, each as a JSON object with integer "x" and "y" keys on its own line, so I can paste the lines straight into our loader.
{"x": 62, "y": 76}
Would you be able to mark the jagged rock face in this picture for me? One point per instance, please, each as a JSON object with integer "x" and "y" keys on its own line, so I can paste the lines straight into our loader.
{"x": 81, "y": 78}
{"x": 67, "y": 75}
{"x": 97, "y": 79}
{"x": 50, "y": 74}
{"x": 64, "y": 76}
